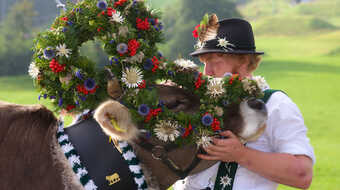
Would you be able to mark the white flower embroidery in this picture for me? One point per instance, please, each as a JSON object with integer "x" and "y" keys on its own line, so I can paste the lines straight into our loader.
{"x": 81, "y": 172}
{"x": 135, "y": 168}
{"x": 224, "y": 43}
{"x": 74, "y": 160}
{"x": 225, "y": 181}
{"x": 129, "y": 155}
{"x": 90, "y": 185}
{"x": 67, "y": 147}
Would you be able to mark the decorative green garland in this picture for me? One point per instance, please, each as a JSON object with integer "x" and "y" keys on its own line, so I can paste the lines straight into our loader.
{"x": 129, "y": 32}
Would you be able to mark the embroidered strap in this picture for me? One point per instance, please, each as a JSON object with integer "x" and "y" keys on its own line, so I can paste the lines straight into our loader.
{"x": 225, "y": 176}
{"x": 227, "y": 170}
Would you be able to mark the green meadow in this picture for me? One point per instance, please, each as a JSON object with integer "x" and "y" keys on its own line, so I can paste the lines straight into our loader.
{"x": 305, "y": 64}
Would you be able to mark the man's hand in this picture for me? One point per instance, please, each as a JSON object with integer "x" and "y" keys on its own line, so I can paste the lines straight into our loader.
{"x": 229, "y": 149}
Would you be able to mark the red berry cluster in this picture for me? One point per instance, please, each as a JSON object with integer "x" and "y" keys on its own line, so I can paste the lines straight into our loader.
{"x": 110, "y": 11}
{"x": 119, "y": 3}
{"x": 199, "y": 81}
{"x": 143, "y": 24}
{"x": 133, "y": 45}
{"x": 64, "y": 18}
{"x": 56, "y": 67}
{"x": 70, "y": 107}
{"x": 82, "y": 89}
{"x": 155, "y": 62}
{"x": 216, "y": 125}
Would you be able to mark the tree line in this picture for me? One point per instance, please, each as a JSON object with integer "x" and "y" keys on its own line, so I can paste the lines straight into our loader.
{"x": 26, "y": 18}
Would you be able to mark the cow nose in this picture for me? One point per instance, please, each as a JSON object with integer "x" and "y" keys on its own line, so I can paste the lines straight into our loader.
{"x": 256, "y": 104}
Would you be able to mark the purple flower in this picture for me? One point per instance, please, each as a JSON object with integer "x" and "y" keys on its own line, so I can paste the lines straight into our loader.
{"x": 82, "y": 98}
{"x": 114, "y": 60}
{"x": 160, "y": 26}
{"x": 45, "y": 96}
{"x": 160, "y": 54}
{"x": 90, "y": 84}
{"x": 102, "y": 5}
{"x": 65, "y": 29}
{"x": 60, "y": 102}
{"x": 52, "y": 97}
{"x": 69, "y": 23}
{"x": 171, "y": 73}
{"x": 39, "y": 97}
{"x": 77, "y": 102}
{"x": 148, "y": 65}
{"x": 79, "y": 75}
{"x": 143, "y": 110}
{"x": 112, "y": 41}
{"x": 48, "y": 53}
{"x": 122, "y": 48}
{"x": 207, "y": 119}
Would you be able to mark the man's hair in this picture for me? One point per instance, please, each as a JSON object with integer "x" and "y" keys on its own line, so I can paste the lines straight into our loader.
{"x": 254, "y": 59}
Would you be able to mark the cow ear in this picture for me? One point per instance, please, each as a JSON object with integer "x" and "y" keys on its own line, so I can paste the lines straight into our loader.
{"x": 115, "y": 120}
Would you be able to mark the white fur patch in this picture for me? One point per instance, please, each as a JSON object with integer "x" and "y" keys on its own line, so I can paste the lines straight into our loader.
{"x": 253, "y": 121}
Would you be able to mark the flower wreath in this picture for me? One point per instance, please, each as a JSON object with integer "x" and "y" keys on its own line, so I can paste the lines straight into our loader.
{"x": 129, "y": 32}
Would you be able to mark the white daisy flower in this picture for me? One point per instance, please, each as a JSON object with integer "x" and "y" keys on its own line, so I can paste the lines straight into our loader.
{"x": 116, "y": 17}
{"x": 186, "y": 64}
{"x": 33, "y": 70}
{"x": 219, "y": 111}
{"x": 167, "y": 130}
{"x": 261, "y": 82}
{"x": 248, "y": 85}
{"x": 132, "y": 77}
{"x": 204, "y": 141}
{"x": 223, "y": 42}
{"x": 225, "y": 181}
{"x": 123, "y": 31}
{"x": 63, "y": 51}
{"x": 215, "y": 87}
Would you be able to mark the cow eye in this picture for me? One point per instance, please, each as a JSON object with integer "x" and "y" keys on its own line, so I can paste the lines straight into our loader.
{"x": 256, "y": 104}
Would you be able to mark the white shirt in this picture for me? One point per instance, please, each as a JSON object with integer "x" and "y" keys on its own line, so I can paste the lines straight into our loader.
{"x": 285, "y": 133}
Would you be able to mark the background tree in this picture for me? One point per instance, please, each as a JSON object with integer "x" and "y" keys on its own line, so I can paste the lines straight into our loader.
{"x": 16, "y": 38}
{"x": 180, "y": 20}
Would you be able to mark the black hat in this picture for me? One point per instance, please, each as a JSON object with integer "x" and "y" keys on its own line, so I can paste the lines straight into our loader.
{"x": 233, "y": 36}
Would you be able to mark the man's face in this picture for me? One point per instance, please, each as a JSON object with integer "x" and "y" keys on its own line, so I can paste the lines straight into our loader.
{"x": 216, "y": 65}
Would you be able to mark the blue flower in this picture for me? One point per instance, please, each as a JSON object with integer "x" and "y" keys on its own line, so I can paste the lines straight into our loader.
{"x": 148, "y": 65}
{"x": 45, "y": 96}
{"x": 82, "y": 98}
{"x": 79, "y": 75}
{"x": 160, "y": 26}
{"x": 207, "y": 119}
{"x": 143, "y": 110}
{"x": 69, "y": 23}
{"x": 39, "y": 97}
{"x": 48, "y": 53}
{"x": 77, "y": 102}
{"x": 122, "y": 48}
{"x": 65, "y": 29}
{"x": 102, "y": 5}
{"x": 171, "y": 73}
{"x": 52, "y": 97}
{"x": 90, "y": 84}
{"x": 114, "y": 60}
{"x": 112, "y": 41}
{"x": 60, "y": 102}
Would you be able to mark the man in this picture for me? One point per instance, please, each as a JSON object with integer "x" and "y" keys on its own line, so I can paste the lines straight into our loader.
{"x": 282, "y": 154}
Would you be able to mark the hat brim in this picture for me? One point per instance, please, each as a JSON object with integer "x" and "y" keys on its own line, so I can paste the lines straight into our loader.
{"x": 204, "y": 51}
